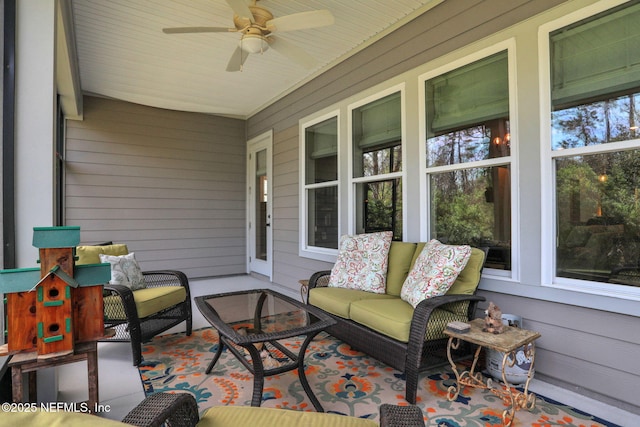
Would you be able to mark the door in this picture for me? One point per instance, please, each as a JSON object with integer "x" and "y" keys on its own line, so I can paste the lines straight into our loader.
{"x": 259, "y": 195}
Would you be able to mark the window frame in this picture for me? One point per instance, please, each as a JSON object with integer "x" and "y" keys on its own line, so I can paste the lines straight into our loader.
{"x": 306, "y": 250}
{"x": 548, "y": 255}
{"x": 352, "y": 182}
{"x": 508, "y": 45}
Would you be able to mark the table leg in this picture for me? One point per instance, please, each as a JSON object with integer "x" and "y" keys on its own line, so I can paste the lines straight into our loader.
{"x": 216, "y": 356}
{"x": 303, "y": 377}
{"x": 258, "y": 375}
{"x": 465, "y": 378}
{"x": 516, "y": 399}
{"x": 16, "y": 384}
{"x": 92, "y": 372}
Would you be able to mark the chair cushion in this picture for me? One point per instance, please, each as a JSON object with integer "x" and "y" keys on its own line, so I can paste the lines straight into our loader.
{"x": 337, "y": 300}
{"x": 234, "y": 416}
{"x": 148, "y": 301}
{"x": 400, "y": 260}
{"x": 469, "y": 278}
{"x": 57, "y": 419}
{"x": 91, "y": 254}
{"x": 393, "y": 318}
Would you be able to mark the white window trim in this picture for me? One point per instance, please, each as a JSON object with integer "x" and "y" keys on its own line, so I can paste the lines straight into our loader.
{"x": 508, "y": 45}
{"x": 352, "y": 182}
{"x": 548, "y": 156}
{"x": 305, "y": 250}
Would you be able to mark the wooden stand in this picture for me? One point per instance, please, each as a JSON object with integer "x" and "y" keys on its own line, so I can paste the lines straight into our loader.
{"x": 23, "y": 363}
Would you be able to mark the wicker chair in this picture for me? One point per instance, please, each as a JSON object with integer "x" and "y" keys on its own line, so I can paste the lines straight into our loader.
{"x": 181, "y": 410}
{"x": 137, "y": 316}
{"x": 140, "y": 329}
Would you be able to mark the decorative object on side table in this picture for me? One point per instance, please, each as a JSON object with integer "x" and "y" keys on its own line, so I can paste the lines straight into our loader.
{"x": 507, "y": 343}
{"x": 493, "y": 319}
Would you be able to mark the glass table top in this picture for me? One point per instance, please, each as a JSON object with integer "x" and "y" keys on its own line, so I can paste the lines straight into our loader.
{"x": 248, "y": 316}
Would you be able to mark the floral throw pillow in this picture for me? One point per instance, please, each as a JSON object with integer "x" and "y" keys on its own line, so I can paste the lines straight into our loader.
{"x": 362, "y": 262}
{"x": 434, "y": 272}
{"x": 125, "y": 270}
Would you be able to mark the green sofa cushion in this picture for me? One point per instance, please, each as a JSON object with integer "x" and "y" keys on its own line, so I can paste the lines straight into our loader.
{"x": 389, "y": 317}
{"x": 91, "y": 254}
{"x": 400, "y": 262}
{"x": 57, "y": 419}
{"x": 469, "y": 277}
{"x": 393, "y": 318}
{"x": 337, "y": 300}
{"x": 148, "y": 301}
{"x": 234, "y": 416}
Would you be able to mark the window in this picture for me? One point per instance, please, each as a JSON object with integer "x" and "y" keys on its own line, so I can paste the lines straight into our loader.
{"x": 595, "y": 151}
{"x": 377, "y": 165}
{"x": 321, "y": 184}
{"x": 468, "y": 155}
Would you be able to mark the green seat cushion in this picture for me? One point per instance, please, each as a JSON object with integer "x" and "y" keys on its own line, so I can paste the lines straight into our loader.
{"x": 400, "y": 261}
{"x": 234, "y": 416}
{"x": 57, "y": 419}
{"x": 148, "y": 301}
{"x": 393, "y": 318}
{"x": 389, "y": 317}
{"x": 337, "y": 300}
{"x": 91, "y": 254}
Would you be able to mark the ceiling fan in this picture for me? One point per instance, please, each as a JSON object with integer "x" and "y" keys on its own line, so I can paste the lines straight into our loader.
{"x": 257, "y": 26}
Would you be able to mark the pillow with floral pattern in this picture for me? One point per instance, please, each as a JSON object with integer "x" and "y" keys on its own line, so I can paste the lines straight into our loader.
{"x": 434, "y": 272}
{"x": 362, "y": 262}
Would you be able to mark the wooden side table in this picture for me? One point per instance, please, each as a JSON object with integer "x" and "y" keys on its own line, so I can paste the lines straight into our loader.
{"x": 28, "y": 363}
{"x": 508, "y": 343}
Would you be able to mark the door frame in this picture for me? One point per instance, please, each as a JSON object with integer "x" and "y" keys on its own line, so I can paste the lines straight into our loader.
{"x": 254, "y": 145}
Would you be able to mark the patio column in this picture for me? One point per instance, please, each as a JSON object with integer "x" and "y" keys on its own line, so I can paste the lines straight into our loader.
{"x": 35, "y": 117}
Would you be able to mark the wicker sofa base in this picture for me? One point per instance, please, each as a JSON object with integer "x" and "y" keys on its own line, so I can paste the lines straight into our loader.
{"x": 392, "y": 352}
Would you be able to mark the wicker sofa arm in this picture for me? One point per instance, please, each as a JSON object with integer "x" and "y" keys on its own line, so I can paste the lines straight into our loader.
{"x": 179, "y": 409}
{"x": 319, "y": 279}
{"x": 125, "y": 294}
{"x": 400, "y": 416}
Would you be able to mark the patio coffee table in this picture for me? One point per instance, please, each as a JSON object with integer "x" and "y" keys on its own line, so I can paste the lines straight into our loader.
{"x": 256, "y": 320}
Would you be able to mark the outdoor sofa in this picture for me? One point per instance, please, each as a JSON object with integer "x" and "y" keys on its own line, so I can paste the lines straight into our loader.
{"x": 390, "y": 329}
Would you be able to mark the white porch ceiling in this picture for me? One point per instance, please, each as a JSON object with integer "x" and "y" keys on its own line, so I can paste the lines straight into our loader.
{"x": 123, "y": 53}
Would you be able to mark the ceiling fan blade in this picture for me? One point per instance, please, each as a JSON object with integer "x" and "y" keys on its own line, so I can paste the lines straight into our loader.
{"x": 301, "y": 21}
{"x": 241, "y": 9}
{"x": 185, "y": 30}
{"x": 292, "y": 52}
{"x": 237, "y": 60}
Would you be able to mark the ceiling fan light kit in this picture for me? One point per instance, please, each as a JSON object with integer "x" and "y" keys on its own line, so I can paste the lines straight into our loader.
{"x": 257, "y": 26}
{"x": 252, "y": 43}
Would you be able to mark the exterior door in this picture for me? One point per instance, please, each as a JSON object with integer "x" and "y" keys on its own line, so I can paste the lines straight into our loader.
{"x": 259, "y": 195}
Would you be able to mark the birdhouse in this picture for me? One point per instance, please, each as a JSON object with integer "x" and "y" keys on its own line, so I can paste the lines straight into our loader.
{"x": 51, "y": 308}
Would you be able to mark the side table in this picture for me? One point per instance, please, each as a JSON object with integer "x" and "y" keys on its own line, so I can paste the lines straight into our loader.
{"x": 304, "y": 289}
{"x": 28, "y": 363}
{"x": 507, "y": 342}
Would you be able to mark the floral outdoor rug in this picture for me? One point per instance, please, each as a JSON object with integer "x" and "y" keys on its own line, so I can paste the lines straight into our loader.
{"x": 345, "y": 381}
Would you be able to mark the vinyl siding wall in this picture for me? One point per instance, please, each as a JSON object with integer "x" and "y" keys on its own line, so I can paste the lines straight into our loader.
{"x": 585, "y": 345}
{"x": 168, "y": 184}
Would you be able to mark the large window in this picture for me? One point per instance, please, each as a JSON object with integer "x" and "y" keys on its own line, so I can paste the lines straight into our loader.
{"x": 321, "y": 184}
{"x": 595, "y": 100}
{"x": 377, "y": 165}
{"x": 468, "y": 149}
